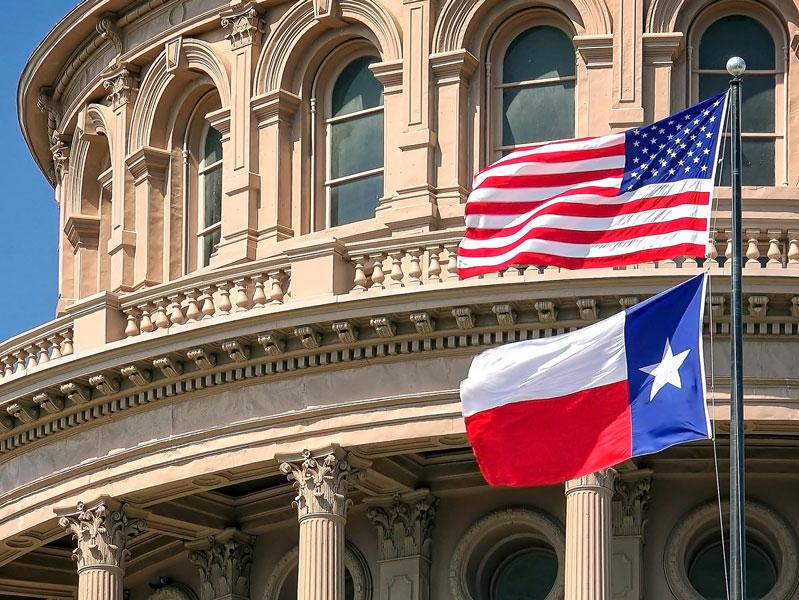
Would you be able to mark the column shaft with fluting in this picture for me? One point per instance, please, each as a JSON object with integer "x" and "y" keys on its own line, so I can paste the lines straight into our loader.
{"x": 588, "y": 536}
{"x": 321, "y": 501}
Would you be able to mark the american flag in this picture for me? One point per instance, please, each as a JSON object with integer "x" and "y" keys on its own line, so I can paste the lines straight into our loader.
{"x": 625, "y": 198}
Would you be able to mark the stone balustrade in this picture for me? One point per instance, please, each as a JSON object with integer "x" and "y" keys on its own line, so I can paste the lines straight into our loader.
{"x": 198, "y": 298}
{"x": 28, "y": 350}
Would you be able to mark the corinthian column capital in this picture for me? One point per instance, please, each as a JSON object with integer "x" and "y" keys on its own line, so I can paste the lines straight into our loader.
{"x": 404, "y": 524}
{"x": 244, "y": 24}
{"x": 223, "y": 562}
{"x": 102, "y": 530}
{"x": 321, "y": 481}
{"x": 122, "y": 84}
{"x": 601, "y": 481}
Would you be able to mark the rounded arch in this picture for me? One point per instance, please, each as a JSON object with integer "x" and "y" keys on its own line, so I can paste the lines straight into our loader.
{"x": 173, "y": 591}
{"x": 354, "y": 562}
{"x": 284, "y": 46}
{"x": 460, "y": 20}
{"x": 98, "y": 120}
{"x": 666, "y": 16}
{"x": 195, "y": 55}
{"x": 506, "y": 526}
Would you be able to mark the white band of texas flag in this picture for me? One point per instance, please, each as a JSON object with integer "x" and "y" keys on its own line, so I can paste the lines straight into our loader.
{"x": 549, "y": 410}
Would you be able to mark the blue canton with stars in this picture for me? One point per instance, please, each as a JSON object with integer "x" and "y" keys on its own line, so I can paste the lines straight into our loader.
{"x": 682, "y": 146}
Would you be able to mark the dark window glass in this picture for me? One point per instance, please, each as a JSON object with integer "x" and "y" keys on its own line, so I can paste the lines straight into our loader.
{"x": 706, "y": 573}
{"x": 356, "y": 88}
{"x": 737, "y": 35}
{"x": 356, "y": 145}
{"x": 757, "y": 158}
{"x": 213, "y": 146}
{"x": 530, "y": 575}
{"x": 538, "y": 113}
{"x": 212, "y": 201}
{"x": 539, "y": 53}
{"x": 757, "y": 100}
{"x": 210, "y": 242}
{"x": 355, "y": 200}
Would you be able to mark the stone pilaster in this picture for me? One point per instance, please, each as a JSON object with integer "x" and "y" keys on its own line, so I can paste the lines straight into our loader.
{"x": 629, "y": 522}
{"x": 321, "y": 480}
{"x": 121, "y": 83}
{"x": 404, "y": 533}
{"x": 102, "y": 530}
{"x": 660, "y": 53}
{"x": 588, "y": 535}
{"x": 223, "y": 562}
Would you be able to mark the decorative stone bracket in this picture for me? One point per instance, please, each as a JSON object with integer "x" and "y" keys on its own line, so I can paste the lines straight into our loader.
{"x": 223, "y": 562}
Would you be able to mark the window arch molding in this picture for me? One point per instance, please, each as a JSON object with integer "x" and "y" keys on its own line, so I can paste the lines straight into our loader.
{"x": 320, "y": 86}
{"x": 776, "y": 28}
{"x": 765, "y": 527}
{"x": 668, "y": 16}
{"x": 485, "y": 538}
{"x": 500, "y": 39}
{"x": 354, "y": 562}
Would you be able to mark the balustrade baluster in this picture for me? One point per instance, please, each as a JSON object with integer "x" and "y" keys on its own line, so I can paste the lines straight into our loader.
{"x": 192, "y": 309}
{"x": 434, "y": 265}
{"x": 774, "y": 252}
{"x": 33, "y": 355}
{"x": 258, "y": 295}
{"x": 224, "y": 304}
{"x": 242, "y": 300}
{"x": 415, "y": 269}
{"x": 132, "y": 326}
{"x": 360, "y": 281}
{"x": 728, "y": 251}
{"x": 793, "y": 249}
{"x": 752, "y": 250}
{"x": 66, "y": 344}
{"x": 161, "y": 320}
{"x": 378, "y": 275}
{"x": 44, "y": 351}
{"x": 55, "y": 346}
{"x": 712, "y": 252}
{"x": 207, "y": 298}
{"x": 8, "y": 369}
{"x": 21, "y": 357}
{"x": 147, "y": 325}
{"x": 396, "y": 268}
{"x": 176, "y": 310}
{"x": 452, "y": 263}
{"x": 276, "y": 293}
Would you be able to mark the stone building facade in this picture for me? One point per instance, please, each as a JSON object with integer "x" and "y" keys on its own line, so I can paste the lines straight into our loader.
{"x": 250, "y": 390}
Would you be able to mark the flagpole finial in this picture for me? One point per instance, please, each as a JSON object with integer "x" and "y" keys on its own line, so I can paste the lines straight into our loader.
{"x": 736, "y": 66}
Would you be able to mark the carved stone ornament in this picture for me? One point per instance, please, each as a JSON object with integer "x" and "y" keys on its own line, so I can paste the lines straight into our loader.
{"x": 630, "y": 504}
{"x": 405, "y": 526}
{"x": 463, "y": 317}
{"x": 102, "y": 531}
{"x": 108, "y": 30}
{"x": 321, "y": 483}
{"x": 121, "y": 83}
{"x": 547, "y": 311}
{"x": 59, "y": 146}
{"x": 244, "y": 24}
{"x": 223, "y": 562}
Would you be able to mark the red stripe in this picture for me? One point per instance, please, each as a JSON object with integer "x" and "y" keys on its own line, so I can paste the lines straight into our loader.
{"x": 561, "y": 156}
{"x": 491, "y": 207}
{"x": 574, "y": 236}
{"x": 548, "y": 180}
{"x": 542, "y": 442}
{"x": 582, "y": 209}
{"x": 567, "y": 209}
{"x": 631, "y": 258}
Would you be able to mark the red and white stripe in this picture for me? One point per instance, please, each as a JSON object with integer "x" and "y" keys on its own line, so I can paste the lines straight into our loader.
{"x": 560, "y": 204}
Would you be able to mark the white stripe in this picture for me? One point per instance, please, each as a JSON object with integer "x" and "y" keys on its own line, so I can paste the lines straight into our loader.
{"x": 576, "y": 166}
{"x": 644, "y": 217}
{"x": 655, "y": 190}
{"x": 551, "y": 147}
{"x": 528, "y": 194}
{"x": 547, "y": 368}
{"x": 567, "y": 250}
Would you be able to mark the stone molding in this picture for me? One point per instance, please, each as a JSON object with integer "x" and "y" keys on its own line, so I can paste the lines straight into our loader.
{"x": 223, "y": 563}
{"x": 121, "y": 83}
{"x": 404, "y": 524}
{"x": 763, "y": 524}
{"x": 321, "y": 480}
{"x": 630, "y": 504}
{"x": 537, "y": 523}
{"x": 354, "y": 562}
{"x": 102, "y": 530}
{"x": 244, "y": 24}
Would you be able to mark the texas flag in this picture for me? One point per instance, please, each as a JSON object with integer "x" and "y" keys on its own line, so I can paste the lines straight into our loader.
{"x": 548, "y": 410}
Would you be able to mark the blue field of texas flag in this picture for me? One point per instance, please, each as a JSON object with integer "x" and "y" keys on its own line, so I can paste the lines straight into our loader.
{"x": 548, "y": 410}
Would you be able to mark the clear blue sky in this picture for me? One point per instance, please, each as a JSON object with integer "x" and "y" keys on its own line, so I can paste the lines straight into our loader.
{"x": 28, "y": 212}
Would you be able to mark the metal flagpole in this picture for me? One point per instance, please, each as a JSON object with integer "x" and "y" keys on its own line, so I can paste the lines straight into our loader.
{"x": 736, "y": 67}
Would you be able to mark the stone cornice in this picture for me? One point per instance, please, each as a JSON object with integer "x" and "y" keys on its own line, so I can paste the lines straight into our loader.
{"x": 83, "y": 231}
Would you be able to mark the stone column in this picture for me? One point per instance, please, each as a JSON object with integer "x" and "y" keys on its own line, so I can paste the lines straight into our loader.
{"x": 321, "y": 481}
{"x": 629, "y": 521}
{"x": 223, "y": 562}
{"x": 102, "y": 530}
{"x": 588, "y": 534}
{"x": 404, "y": 527}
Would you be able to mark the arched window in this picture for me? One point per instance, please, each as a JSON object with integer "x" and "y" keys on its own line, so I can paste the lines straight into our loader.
{"x": 535, "y": 88}
{"x": 528, "y": 574}
{"x": 741, "y": 35}
{"x": 706, "y": 571}
{"x": 209, "y": 229}
{"x": 354, "y": 123}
